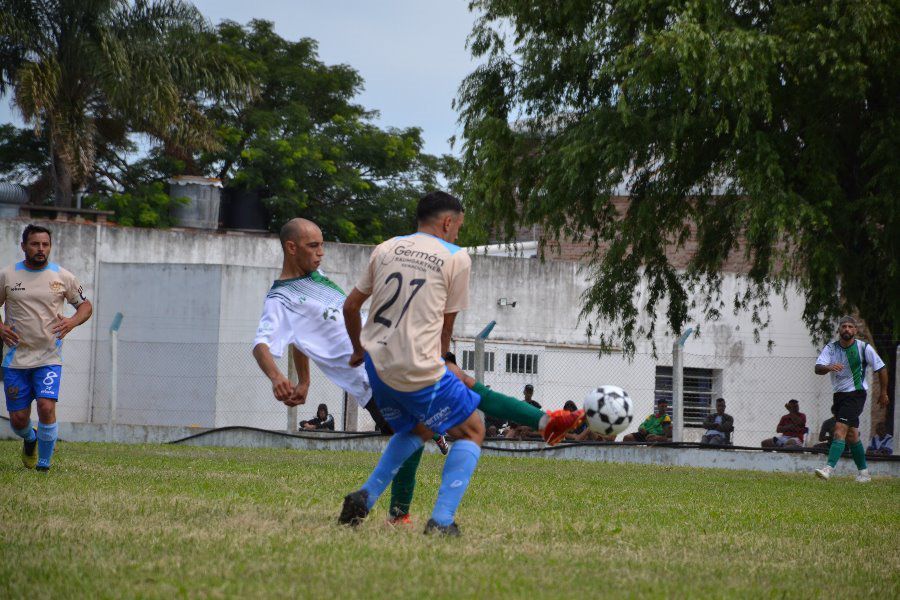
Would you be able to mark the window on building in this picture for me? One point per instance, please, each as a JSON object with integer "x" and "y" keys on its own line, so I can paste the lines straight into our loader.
{"x": 521, "y": 363}
{"x": 468, "y": 361}
{"x": 698, "y": 392}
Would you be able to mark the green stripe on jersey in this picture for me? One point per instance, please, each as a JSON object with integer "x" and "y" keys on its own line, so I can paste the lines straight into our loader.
{"x": 319, "y": 278}
{"x": 855, "y": 365}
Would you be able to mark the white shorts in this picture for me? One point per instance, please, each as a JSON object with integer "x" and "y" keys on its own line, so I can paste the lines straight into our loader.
{"x": 782, "y": 440}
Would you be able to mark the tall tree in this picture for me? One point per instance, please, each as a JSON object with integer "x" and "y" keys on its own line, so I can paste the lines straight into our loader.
{"x": 764, "y": 128}
{"x": 309, "y": 148}
{"x": 82, "y": 68}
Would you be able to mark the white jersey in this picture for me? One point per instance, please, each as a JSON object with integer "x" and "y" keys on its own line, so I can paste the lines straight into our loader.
{"x": 307, "y": 312}
{"x": 855, "y": 359}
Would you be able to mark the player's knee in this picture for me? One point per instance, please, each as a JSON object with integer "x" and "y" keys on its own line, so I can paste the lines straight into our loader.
{"x": 18, "y": 419}
{"x": 46, "y": 410}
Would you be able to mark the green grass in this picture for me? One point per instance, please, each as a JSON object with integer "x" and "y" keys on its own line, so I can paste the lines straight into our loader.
{"x": 161, "y": 521}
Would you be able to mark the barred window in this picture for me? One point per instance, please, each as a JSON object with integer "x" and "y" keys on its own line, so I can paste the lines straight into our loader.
{"x": 522, "y": 363}
{"x": 468, "y": 361}
{"x": 698, "y": 392}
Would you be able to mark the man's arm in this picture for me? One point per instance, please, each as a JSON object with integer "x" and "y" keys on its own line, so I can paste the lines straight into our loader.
{"x": 782, "y": 425}
{"x": 353, "y": 323}
{"x": 301, "y": 364}
{"x": 281, "y": 386}
{"x": 63, "y": 325}
{"x": 447, "y": 332}
{"x": 727, "y": 425}
{"x": 883, "y": 384}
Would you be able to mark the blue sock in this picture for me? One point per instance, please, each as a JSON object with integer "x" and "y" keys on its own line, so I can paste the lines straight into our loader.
{"x": 399, "y": 448}
{"x": 46, "y": 441}
{"x": 458, "y": 469}
{"x": 26, "y": 433}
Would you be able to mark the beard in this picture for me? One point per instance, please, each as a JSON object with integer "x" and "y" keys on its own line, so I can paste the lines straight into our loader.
{"x": 38, "y": 260}
{"x": 846, "y": 336}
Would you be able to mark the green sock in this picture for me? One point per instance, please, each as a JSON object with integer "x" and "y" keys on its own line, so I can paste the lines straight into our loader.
{"x": 859, "y": 454}
{"x": 404, "y": 485}
{"x": 497, "y": 405}
{"x": 834, "y": 453}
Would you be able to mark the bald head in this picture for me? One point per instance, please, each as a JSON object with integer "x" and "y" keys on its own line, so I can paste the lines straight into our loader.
{"x": 303, "y": 247}
{"x": 298, "y": 229}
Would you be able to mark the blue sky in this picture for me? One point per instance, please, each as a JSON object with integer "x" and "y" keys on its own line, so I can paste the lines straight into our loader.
{"x": 411, "y": 53}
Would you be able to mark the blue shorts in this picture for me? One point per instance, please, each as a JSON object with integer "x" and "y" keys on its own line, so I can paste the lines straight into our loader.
{"x": 24, "y": 385}
{"x": 440, "y": 407}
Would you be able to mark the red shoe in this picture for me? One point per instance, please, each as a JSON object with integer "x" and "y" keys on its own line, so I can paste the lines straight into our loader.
{"x": 560, "y": 423}
{"x": 401, "y": 520}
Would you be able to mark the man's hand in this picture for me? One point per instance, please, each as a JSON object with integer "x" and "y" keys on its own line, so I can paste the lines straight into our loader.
{"x": 282, "y": 388}
{"x": 835, "y": 367}
{"x": 883, "y": 398}
{"x": 356, "y": 358}
{"x": 62, "y": 326}
{"x": 8, "y": 335}
{"x": 298, "y": 396}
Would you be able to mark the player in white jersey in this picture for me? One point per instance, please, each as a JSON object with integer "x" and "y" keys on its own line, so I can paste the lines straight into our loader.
{"x": 846, "y": 360}
{"x": 34, "y": 292}
{"x": 299, "y": 312}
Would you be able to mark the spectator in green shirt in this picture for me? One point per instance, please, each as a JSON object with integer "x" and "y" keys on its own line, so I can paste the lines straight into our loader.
{"x": 655, "y": 428}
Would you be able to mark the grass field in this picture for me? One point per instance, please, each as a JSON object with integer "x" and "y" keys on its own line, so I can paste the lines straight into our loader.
{"x": 161, "y": 521}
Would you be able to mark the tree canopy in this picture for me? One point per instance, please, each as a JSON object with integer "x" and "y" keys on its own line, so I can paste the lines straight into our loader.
{"x": 309, "y": 148}
{"x": 87, "y": 73}
{"x": 768, "y": 128}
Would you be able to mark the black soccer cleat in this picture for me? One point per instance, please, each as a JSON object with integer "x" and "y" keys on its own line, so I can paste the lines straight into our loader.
{"x": 355, "y": 508}
{"x": 432, "y": 528}
{"x": 42, "y": 468}
{"x": 29, "y": 452}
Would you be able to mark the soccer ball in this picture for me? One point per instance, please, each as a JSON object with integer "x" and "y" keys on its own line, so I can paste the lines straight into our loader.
{"x": 608, "y": 409}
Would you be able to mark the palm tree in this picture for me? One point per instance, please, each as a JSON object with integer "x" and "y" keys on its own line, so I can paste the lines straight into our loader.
{"x": 82, "y": 68}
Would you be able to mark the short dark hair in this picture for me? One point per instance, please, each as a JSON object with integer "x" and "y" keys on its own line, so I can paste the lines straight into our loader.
{"x": 31, "y": 229}
{"x": 570, "y": 406}
{"x": 720, "y": 400}
{"x": 434, "y": 203}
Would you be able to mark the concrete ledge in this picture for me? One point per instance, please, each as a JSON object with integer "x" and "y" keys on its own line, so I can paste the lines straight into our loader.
{"x": 245, "y": 437}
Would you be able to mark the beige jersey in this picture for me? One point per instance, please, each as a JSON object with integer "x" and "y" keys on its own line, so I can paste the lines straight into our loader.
{"x": 32, "y": 299}
{"x": 414, "y": 280}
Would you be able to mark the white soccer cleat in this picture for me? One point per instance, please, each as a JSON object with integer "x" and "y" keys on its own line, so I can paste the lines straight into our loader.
{"x": 864, "y": 476}
{"x": 825, "y": 472}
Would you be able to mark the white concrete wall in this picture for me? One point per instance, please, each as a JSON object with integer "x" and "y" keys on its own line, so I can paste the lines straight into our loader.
{"x": 755, "y": 381}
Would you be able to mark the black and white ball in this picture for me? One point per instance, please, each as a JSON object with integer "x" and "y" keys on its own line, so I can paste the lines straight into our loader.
{"x": 608, "y": 409}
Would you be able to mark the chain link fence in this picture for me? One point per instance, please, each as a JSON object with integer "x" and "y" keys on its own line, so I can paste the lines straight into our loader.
{"x": 755, "y": 387}
{"x": 219, "y": 384}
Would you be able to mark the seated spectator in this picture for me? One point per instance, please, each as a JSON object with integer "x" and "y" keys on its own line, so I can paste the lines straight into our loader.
{"x": 791, "y": 428}
{"x": 882, "y": 442}
{"x": 514, "y": 431}
{"x": 322, "y": 420}
{"x": 826, "y": 434}
{"x": 582, "y": 433}
{"x": 655, "y": 428}
{"x": 494, "y": 427}
{"x": 718, "y": 426}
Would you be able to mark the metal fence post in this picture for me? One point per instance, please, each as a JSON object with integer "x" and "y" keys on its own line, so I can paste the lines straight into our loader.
{"x": 114, "y": 374}
{"x": 479, "y": 350}
{"x": 678, "y": 386}
{"x": 292, "y": 410}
